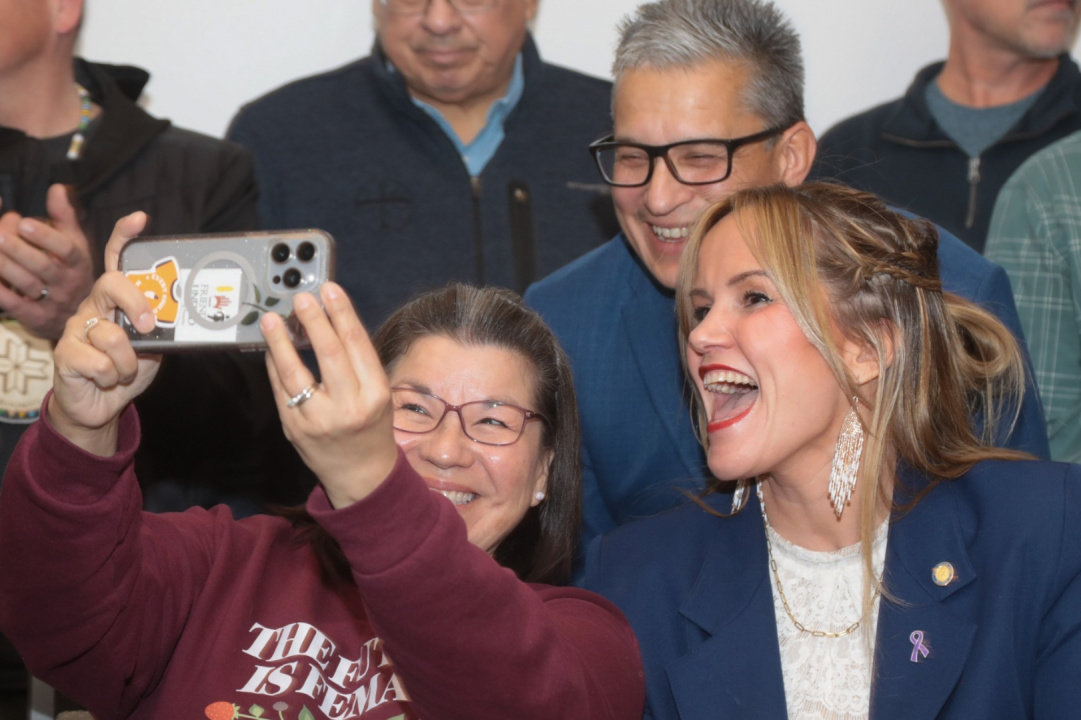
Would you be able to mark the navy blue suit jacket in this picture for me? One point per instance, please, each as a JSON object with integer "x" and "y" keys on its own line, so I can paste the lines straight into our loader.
{"x": 619, "y": 329}
{"x": 1004, "y": 637}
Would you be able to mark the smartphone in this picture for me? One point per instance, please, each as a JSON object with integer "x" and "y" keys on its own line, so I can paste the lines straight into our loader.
{"x": 208, "y": 291}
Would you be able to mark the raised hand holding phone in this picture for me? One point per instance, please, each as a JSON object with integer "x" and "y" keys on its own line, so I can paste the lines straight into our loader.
{"x": 97, "y": 372}
{"x": 341, "y": 426}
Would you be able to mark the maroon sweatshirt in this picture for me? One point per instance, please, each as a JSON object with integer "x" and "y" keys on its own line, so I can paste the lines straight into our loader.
{"x": 196, "y": 615}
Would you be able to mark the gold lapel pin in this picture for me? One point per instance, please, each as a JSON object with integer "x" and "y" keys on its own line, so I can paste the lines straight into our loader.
{"x": 943, "y": 574}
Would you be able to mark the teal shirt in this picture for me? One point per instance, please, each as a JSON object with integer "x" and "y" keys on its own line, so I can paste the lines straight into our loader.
{"x": 476, "y": 154}
{"x": 975, "y": 129}
{"x": 1036, "y": 236}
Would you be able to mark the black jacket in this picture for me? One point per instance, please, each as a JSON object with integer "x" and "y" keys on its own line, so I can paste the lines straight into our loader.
{"x": 185, "y": 181}
{"x": 898, "y": 151}
{"x": 348, "y": 151}
{"x": 209, "y": 423}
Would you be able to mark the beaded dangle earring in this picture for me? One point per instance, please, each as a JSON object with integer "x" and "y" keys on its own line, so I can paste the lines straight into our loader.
{"x": 846, "y": 460}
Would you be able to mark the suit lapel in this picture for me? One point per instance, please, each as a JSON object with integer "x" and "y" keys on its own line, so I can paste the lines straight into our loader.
{"x": 650, "y": 323}
{"x": 733, "y": 669}
{"x": 908, "y": 683}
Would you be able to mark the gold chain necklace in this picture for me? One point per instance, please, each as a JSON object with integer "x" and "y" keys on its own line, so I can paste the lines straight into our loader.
{"x": 780, "y": 587}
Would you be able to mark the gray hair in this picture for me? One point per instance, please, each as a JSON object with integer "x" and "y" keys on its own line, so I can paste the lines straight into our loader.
{"x": 680, "y": 34}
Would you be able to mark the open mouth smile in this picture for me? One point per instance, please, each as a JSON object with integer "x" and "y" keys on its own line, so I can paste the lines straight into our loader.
{"x": 456, "y": 497}
{"x": 670, "y": 235}
{"x": 735, "y": 395}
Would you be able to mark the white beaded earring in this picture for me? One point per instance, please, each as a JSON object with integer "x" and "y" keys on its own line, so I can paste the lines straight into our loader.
{"x": 539, "y": 496}
{"x": 846, "y": 460}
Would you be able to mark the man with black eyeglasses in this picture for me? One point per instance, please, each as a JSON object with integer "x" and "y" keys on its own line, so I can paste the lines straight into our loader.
{"x": 708, "y": 99}
{"x": 452, "y": 152}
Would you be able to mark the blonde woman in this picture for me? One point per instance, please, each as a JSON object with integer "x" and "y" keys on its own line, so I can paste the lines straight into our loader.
{"x": 863, "y": 550}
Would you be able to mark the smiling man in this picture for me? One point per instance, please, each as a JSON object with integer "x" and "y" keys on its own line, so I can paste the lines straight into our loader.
{"x": 1006, "y": 89}
{"x": 451, "y": 153}
{"x": 708, "y": 99}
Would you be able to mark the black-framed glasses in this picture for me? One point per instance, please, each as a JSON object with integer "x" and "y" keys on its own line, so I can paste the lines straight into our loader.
{"x": 419, "y": 7}
{"x": 485, "y": 421}
{"x": 692, "y": 162}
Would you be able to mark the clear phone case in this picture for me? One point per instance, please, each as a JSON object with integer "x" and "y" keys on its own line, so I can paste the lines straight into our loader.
{"x": 208, "y": 291}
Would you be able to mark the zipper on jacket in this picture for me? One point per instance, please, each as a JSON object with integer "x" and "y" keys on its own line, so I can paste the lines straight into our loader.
{"x": 973, "y": 184}
{"x": 478, "y": 234}
{"x": 521, "y": 232}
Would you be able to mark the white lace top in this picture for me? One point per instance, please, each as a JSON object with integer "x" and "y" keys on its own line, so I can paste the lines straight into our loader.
{"x": 825, "y": 677}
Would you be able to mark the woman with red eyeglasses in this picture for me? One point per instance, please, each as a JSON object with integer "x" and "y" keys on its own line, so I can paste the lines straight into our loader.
{"x": 418, "y": 580}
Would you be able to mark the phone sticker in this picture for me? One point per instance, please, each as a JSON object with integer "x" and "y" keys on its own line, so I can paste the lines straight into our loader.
{"x": 211, "y": 304}
{"x": 207, "y": 303}
{"x": 159, "y": 285}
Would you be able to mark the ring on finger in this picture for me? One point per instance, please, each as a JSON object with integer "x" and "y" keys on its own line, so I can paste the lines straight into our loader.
{"x": 44, "y": 293}
{"x": 302, "y": 397}
{"x": 90, "y": 325}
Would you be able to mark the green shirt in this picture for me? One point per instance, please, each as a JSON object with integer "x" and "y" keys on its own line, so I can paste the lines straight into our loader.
{"x": 1036, "y": 236}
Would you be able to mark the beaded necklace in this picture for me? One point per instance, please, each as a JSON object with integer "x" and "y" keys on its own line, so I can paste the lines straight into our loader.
{"x": 75, "y": 150}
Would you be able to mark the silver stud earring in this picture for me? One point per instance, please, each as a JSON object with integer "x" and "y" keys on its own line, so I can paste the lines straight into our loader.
{"x": 539, "y": 496}
{"x": 846, "y": 460}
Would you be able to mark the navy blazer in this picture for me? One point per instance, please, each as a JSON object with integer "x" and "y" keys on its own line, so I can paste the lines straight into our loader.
{"x": 1004, "y": 637}
{"x": 619, "y": 328}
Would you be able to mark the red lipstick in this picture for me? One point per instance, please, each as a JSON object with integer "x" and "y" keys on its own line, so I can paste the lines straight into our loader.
{"x": 710, "y": 368}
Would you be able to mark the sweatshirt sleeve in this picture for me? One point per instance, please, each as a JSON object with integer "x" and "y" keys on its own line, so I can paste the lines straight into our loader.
{"x": 469, "y": 639}
{"x": 93, "y": 595}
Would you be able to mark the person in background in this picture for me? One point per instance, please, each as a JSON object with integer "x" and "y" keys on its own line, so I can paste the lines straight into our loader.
{"x": 1036, "y": 236}
{"x": 416, "y": 581}
{"x": 943, "y": 150}
{"x": 76, "y": 153}
{"x": 708, "y": 99}
{"x": 862, "y": 551}
{"x": 452, "y": 152}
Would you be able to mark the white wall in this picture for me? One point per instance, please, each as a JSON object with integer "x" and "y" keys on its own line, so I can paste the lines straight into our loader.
{"x": 209, "y": 56}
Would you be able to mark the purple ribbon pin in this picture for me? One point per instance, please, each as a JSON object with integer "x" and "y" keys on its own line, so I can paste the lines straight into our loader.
{"x": 918, "y": 648}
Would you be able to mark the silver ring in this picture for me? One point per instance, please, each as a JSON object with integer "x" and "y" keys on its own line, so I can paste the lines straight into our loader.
{"x": 301, "y": 397}
{"x": 44, "y": 293}
{"x": 88, "y": 326}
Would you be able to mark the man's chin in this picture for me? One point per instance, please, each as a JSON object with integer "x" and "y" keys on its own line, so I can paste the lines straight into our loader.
{"x": 663, "y": 263}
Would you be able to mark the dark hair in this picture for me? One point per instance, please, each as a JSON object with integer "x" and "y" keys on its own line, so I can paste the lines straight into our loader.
{"x": 541, "y": 547}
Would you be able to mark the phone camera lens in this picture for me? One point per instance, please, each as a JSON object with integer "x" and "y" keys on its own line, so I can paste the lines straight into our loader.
{"x": 305, "y": 251}
{"x": 291, "y": 278}
{"x": 280, "y": 253}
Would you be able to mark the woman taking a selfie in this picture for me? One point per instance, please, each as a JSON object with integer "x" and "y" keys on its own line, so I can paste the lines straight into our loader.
{"x": 862, "y": 551}
{"x": 377, "y": 601}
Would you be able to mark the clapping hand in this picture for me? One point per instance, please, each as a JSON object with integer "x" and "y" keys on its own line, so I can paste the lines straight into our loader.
{"x": 45, "y": 267}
